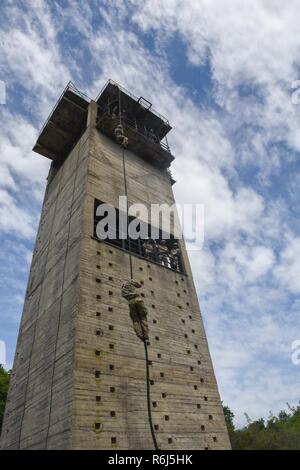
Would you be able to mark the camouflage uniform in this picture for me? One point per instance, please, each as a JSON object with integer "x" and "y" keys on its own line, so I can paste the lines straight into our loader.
{"x": 163, "y": 253}
{"x": 152, "y": 136}
{"x": 148, "y": 249}
{"x": 115, "y": 112}
{"x": 121, "y": 139}
{"x": 137, "y": 309}
{"x": 175, "y": 256}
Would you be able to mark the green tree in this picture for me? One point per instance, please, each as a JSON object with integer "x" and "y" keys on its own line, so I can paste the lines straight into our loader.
{"x": 4, "y": 383}
{"x": 280, "y": 432}
{"x": 229, "y": 419}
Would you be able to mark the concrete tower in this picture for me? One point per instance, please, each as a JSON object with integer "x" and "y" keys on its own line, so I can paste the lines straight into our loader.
{"x": 79, "y": 375}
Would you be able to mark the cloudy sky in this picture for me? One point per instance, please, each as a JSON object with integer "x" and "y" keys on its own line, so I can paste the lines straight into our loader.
{"x": 222, "y": 72}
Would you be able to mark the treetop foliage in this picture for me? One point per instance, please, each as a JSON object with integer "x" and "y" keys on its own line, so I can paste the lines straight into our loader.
{"x": 281, "y": 432}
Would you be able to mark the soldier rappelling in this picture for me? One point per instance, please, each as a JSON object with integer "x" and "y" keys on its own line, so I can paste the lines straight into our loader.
{"x": 120, "y": 137}
{"x": 137, "y": 309}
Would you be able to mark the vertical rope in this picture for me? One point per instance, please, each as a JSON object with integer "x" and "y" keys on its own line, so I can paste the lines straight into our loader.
{"x": 127, "y": 217}
{"x": 148, "y": 392}
{"x": 144, "y": 339}
{"x": 131, "y": 277}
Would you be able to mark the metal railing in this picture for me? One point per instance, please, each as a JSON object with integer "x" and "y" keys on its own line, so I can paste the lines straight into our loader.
{"x": 136, "y": 126}
{"x": 135, "y": 98}
{"x": 70, "y": 87}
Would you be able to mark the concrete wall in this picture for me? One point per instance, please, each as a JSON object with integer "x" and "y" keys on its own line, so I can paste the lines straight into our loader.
{"x": 186, "y": 406}
{"x": 38, "y": 412}
{"x": 76, "y": 325}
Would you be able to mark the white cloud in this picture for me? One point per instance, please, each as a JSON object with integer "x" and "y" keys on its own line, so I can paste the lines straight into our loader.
{"x": 257, "y": 46}
{"x": 288, "y": 271}
{"x": 14, "y": 217}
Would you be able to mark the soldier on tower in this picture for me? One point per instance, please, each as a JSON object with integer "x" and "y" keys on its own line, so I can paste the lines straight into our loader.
{"x": 148, "y": 249}
{"x": 174, "y": 258}
{"x": 120, "y": 137}
{"x": 137, "y": 309}
{"x": 152, "y": 136}
{"x": 163, "y": 253}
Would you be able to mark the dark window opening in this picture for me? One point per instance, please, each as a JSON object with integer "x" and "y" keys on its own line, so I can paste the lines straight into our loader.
{"x": 162, "y": 249}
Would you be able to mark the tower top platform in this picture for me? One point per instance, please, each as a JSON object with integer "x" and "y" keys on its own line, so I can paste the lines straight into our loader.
{"x": 145, "y": 128}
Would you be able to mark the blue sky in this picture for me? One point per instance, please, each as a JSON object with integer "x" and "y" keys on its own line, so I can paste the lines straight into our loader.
{"x": 222, "y": 73}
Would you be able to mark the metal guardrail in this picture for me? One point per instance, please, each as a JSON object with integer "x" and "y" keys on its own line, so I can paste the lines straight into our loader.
{"x": 70, "y": 86}
{"x": 135, "y": 98}
{"x": 133, "y": 124}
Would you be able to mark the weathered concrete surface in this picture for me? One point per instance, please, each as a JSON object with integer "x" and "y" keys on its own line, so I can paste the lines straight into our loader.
{"x": 74, "y": 328}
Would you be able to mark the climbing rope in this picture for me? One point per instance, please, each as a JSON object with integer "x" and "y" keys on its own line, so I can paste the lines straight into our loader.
{"x": 131, "y": 277}
{"x": 144, "y": 338}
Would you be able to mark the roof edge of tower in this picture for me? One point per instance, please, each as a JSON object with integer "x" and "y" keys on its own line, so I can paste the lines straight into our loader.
{"x": 64, "y": 125}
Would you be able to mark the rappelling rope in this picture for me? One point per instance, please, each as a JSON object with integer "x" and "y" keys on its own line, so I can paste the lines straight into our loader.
{"x": 131, "y": 277}
{"x": 144, "y": 339}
